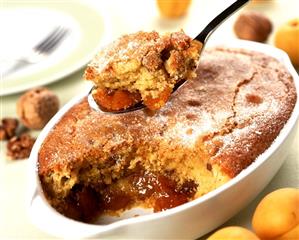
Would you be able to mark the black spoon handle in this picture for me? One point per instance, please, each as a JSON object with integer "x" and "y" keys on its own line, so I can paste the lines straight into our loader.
{"x": 210, "y": 28}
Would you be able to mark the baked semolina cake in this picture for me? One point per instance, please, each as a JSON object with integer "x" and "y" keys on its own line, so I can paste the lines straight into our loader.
{"x": 211, "y": 128}
{"x": 142, "y": 66}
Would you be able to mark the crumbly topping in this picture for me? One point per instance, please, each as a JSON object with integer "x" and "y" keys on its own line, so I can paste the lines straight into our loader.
{"x": 145, "y": 62}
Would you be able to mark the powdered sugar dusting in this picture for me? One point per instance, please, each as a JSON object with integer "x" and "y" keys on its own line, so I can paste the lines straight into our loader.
{"x": 243, "y": 119}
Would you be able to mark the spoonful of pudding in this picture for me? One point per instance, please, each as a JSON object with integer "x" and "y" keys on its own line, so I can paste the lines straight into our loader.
{"x": 143, "y": 69}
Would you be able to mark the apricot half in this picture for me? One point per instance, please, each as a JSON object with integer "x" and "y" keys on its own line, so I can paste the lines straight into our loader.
{"x": 287, "y": 39}
{"x": 173, "y": 8}
{"x": 290, "y": 235}
{"x": 277, "y": 213}
{"x": 233, "y": 233}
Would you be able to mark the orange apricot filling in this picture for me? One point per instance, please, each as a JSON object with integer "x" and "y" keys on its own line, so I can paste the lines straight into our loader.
{"x": 115, "y": 100}
{"x": 156, "y": 103}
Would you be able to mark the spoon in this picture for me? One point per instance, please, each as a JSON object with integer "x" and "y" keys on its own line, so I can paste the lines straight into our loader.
{"x": 202, "y": 37}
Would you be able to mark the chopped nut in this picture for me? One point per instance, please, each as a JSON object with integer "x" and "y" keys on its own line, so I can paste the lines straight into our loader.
{"x": 20, "y": 147}
{"x": 8, "y": 128}
{"x": 173, "y": 9}
{"x": 287, "y": 37}
{"x": 2, "y": 133}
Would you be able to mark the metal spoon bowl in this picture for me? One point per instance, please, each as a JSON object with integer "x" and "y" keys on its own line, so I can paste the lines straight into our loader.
{"x": 202, "y": 37}
{"x": 93, "y": 104}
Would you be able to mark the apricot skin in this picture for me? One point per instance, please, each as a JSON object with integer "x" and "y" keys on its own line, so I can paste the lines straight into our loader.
{"x": 287, "y": 39}
{"x": 277, "y": 213}
{"x": 173, "y": 8}
{"x": 290, "y": 235}
{"x": 233, "y": 233}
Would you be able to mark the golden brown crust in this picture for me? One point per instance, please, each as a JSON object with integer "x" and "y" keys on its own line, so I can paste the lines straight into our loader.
{"x": 262, "y": 105}
{"x": 220, "y": 121}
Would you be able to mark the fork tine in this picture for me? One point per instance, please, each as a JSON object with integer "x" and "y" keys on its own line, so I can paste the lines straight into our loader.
{"x": 55, "y": 42}
{"x": 46, "y": 45}
{"x": 47, "y": 39}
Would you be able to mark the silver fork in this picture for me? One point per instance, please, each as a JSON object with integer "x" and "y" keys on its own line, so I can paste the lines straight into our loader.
{"x": 41, "y": 50}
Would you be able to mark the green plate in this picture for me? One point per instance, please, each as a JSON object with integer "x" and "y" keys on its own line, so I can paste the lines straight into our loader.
{"x": 93, "y": 30}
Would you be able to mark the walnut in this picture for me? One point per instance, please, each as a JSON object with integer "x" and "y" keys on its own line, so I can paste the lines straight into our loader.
{"x": 8, "y": 128}
{"x": 36, "y": 107}
{"x": 20, "y": 147}
{"x": 253, "y": 26}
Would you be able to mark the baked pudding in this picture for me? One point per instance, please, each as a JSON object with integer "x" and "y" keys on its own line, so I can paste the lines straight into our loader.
{"x": 142, "y": 67}
{"x": 210, "y": 129}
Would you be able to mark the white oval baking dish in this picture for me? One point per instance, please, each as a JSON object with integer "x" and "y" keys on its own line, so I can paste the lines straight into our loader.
{"x": 188, "y": 221}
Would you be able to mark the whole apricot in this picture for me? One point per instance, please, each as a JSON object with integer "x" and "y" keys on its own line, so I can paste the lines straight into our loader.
{"x": 287, "y": 39}
{"x": 173, "y": 8}
{"x": 292, "y": 234}
{"x": 277, "y": 213}
{"x": 233, "y": 233}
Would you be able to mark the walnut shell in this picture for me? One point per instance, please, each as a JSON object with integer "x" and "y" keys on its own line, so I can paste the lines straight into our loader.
{"x": 253, "y": 26}
{"x": 36, "y": 107}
